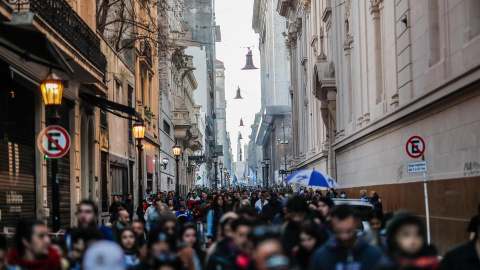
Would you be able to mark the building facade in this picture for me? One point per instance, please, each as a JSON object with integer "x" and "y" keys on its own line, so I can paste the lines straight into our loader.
{"x": 203, "y": 32}
{"x": 28, "y": 181}
{"x": 275, "y": 85}
{"x": 367, "y": 76}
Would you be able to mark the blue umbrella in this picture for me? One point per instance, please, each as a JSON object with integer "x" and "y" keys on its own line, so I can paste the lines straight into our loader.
{"x": 312, "y": 178}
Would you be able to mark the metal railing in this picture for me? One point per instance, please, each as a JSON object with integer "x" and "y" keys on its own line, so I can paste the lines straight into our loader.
{"x": 60, "y": 15}
{"x": 146, "y": 50}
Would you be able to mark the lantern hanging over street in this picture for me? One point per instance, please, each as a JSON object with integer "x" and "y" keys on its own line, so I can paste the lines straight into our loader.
{"x": 241, "y": 122}
{"x": 52, "y": 89}
{"x": 239, "y": 96}
{"x": 249, "y": 64}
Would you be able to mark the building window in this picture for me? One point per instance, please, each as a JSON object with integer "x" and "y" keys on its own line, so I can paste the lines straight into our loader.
{"x": 166, "y": 127}
{"x": 103, "y": 114}
{"x": 118, "y": 92}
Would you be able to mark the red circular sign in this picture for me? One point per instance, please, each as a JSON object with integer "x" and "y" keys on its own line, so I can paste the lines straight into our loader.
{"x": 54, "y": 141}
{"x": 415, "y": 147}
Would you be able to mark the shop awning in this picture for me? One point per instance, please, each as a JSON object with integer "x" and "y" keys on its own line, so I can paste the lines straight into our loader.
{"x": 112, "y": 107}
{"x": 32, "y": 46}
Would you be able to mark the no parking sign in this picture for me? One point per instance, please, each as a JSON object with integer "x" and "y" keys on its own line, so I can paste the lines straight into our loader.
{"x": 415, "y": 147}
{"x": 54, "y": 141}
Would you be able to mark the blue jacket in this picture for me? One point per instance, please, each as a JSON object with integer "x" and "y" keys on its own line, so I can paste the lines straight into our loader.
{"x": 363, "y": 256}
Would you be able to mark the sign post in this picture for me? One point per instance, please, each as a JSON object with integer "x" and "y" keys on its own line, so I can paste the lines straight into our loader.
{"x": 416, "y": 148}
{"x": 54, "y": 143}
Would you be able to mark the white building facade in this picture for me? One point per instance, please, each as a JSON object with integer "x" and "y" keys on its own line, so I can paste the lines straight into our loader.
{"x": 367, "y": 76}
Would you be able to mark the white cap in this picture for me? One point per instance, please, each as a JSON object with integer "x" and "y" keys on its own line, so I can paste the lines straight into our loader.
{"x": 104, "y": 255}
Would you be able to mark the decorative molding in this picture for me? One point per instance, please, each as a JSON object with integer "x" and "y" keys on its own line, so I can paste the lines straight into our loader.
{"x": 299, "y": 25}
{"x": 395, "y": 100}
{"x": 306, "y": 5}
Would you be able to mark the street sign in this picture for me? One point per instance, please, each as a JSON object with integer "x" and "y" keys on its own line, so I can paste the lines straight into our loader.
{"x": 415, "y": 147}
{"x": 284, "y": 172}
{"x": 53, "y": 141}
{"x": 417, "y": 167}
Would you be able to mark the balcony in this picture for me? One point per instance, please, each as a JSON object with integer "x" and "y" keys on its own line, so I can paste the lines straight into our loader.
{"x": 181, "y": 122}
{"x": 146, "y": 52}
{"x": 60, "y": 16}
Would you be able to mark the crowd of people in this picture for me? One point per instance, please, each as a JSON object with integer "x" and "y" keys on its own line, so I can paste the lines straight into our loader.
{"x": 237, "y": 228}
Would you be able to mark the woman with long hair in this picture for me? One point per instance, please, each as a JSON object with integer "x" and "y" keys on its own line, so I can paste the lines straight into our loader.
{"x": 219, "y": 207}
{"x": 311, "y": 236}
{"x": 129, "y": 243}
{"x": 190, "y": 240}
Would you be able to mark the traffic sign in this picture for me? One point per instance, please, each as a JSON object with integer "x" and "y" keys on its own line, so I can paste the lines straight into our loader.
{"x": 417, "y": 167}
{"x": 53, "y": 141}
{"x": 415, "y": 147}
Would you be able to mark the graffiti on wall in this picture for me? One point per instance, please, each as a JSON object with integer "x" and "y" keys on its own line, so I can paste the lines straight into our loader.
{"x": 471, "y": 168}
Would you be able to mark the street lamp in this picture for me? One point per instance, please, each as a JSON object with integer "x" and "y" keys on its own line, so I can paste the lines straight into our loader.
{"x": 263, "y": 173}
{"x": 224, "y": 179}
{"x": 220, "y": 166}
{"x": 139, "y": 133}
{"x": 52, "y": 92}
{"x": 165, "y": 163}
{"x": 267, "y": 162}
{"x": 215, "y": 162}
{"x": 256, "y": 171}
{"x": 177, "y": 150}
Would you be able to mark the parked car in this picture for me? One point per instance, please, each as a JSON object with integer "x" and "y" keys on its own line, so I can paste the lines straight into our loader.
{"x": 361, "y": 209}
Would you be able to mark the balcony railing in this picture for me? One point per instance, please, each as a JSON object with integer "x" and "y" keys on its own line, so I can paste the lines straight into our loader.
{"x": 60, "y": 15}
{"x": 146, "y": 51}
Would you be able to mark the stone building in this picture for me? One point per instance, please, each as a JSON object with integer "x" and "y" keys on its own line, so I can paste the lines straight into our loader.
{"x": 367, "y": 76}
{"x": 177, "y": 82}
{"x": 204, "y": 33}
{"x": 275, "y": 83}
{"x": 221, "y": 116}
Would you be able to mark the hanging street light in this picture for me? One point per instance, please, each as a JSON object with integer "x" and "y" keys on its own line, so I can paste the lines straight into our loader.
{"x": 249, "y": 64}
{"x": 239, "y": 96}
{"x": 241, "y": 123}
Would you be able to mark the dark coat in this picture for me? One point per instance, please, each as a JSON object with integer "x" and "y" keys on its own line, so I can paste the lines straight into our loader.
{"x": 224, "y": 257}
{"x": 271, "y": 210}
{"x": 462, "y": 257}
{"x": 331, "y": 256}
{"x": 129, "y": 207}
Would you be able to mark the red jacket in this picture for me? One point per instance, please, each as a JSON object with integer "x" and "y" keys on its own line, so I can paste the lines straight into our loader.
{"x": 51, "y": 262}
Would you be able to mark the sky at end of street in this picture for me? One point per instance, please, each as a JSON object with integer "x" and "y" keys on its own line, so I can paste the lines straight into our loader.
{"x": 235, "y": 20}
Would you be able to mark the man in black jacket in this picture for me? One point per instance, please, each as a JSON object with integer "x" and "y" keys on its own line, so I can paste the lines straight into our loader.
{"x": 297, "y": 210}
{"x": 128, "y": 204}
{"x": 273, "y": 207}
{"x": 465, "y": 256}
